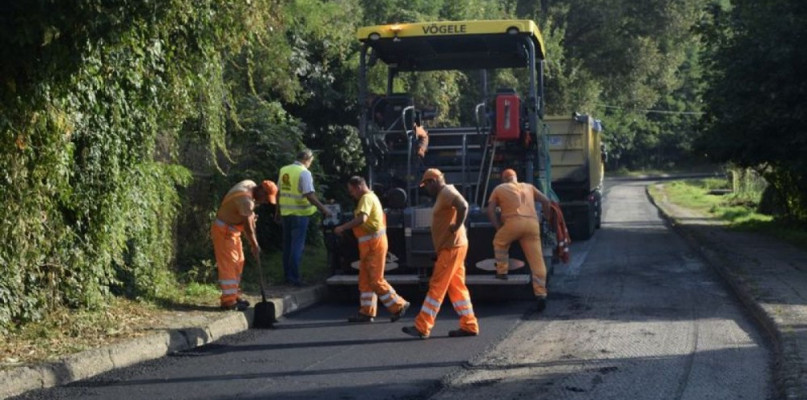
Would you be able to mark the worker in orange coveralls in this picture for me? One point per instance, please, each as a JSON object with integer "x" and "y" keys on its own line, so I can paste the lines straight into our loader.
{"x": 370, "y": 228}
{"x": 451, "y": 244}
{"x": 236, "y": 214}
{"x": 519, "y": 221}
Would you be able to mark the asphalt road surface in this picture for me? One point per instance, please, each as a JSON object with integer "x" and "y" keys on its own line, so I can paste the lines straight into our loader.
{"x": 635, "y": 316}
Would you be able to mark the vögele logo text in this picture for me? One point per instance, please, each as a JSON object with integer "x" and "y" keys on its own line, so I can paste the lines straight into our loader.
{"x": 435, "y": 29}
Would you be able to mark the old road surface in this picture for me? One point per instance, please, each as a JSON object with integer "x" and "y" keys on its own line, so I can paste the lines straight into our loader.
{"x": 635, "y": 315}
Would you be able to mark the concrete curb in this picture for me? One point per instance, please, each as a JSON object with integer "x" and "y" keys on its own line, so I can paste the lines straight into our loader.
{"x": 89, "y": 363}
{"x": 786, "y": 369}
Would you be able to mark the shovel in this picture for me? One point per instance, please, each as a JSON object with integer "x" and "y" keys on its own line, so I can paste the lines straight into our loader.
{"x": 265, "y": 315}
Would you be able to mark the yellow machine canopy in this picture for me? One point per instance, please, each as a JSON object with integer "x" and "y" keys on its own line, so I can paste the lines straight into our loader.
{"x": 448, "y": 45}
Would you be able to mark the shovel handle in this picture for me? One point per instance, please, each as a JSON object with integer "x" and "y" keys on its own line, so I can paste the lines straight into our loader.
{"x": 260, "y": 278}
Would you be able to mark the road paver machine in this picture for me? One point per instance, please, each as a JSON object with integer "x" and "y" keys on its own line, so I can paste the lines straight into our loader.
{"x": 507, "y": 132}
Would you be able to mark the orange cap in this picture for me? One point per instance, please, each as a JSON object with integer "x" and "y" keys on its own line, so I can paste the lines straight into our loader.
{"x": 508, "y": 173}
{"x": 271, "y": 191}
{"x": 431, "y": 173}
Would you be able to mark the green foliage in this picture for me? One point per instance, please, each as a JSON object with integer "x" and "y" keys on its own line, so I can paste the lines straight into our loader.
{"x": 755, "y": 98}
{"x": 620, "y": 61}
{"x": 95, "y": 96}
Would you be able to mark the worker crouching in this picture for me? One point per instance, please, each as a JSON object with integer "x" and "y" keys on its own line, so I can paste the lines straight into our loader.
{"x": 369, "y": 226}
{"x": 519, "y": 222}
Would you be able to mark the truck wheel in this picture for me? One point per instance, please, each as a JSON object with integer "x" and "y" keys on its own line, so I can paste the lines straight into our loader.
{"x": 598, "y": 222}
{"x": 584, "y": 226}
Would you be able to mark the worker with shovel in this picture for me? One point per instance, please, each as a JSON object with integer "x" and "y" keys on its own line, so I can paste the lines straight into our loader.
{"x": 369, "y": 226}
{"x": 235, "y": 215}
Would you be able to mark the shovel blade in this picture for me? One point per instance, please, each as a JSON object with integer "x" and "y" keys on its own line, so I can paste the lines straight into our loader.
{"x": 265, "y": 315}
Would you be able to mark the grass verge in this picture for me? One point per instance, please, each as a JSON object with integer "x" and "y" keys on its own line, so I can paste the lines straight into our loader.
{"x": 739, "y": 211}
{"x": 66, "y": 331}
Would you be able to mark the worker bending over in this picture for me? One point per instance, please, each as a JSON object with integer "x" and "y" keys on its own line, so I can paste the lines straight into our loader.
{"x": 370, "y": 228}
{"x": 519, "y": 221}
{"x": 451, "y": 245}
{"x": 236, "y": 214}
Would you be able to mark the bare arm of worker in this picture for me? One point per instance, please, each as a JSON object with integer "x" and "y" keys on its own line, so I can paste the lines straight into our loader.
{"x": 494, "y": 219}
{"x": 462, "y": 211}
{"x": 356, "y": 221}
{"x": 312, "y": 197}
{"x": 249, "y": 227}
{"x": 541, "y": 198}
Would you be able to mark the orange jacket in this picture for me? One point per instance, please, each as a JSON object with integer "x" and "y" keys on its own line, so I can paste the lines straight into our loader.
{"x": 564, "y": 240}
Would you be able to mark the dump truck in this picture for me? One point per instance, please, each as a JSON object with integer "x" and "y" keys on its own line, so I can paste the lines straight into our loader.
{"x": 507, "y": 132}
{"x": 577, "y": 157}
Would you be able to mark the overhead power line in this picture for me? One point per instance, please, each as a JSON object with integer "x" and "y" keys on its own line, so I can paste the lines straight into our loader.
{"x": 650, "y": 111}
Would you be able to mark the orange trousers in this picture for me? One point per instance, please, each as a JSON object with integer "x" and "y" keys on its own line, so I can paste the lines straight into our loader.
{"x": 372, "y": 285}
{"x": 229, "y": 260}
{"x": 448, "y": 276}
{"x": 527, "y": 231}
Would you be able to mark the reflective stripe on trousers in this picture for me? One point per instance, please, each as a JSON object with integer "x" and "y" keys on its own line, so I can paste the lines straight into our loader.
{"x": 448, "y": 277}
{"x": 373, "y": 257}
{"x": 224, "y": 225}
{"x": 229, "y": 260}
{"x": 362, "y": 239}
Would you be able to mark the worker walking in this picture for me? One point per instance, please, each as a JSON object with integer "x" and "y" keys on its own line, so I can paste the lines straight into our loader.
{"x": 370, "y": 228}
{"x": 297, "y": 203}
{"x": 235, "y": 215}
{"x": 519, "y": 221}
{"x": 451, "y": 244}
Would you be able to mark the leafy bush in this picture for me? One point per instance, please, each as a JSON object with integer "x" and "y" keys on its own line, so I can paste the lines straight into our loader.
{"x": 95, "y": 96}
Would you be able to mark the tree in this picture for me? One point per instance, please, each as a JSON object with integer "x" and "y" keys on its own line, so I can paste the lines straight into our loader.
{"x": 755, "y": 98}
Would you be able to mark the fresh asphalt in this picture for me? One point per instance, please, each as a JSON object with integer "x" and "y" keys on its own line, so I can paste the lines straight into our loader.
{"x": 636, "y": 315}
{"x": 313, "y": 354}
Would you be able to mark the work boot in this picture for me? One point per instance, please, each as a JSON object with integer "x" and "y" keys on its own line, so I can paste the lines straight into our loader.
{"x": 360, "y": 318}
{"x": 541, "y": 304}
{"x": 501, "y": 276}
{"x": 398, "y": 315}
{"x": 243, "y": 302}
{"x": 412, "y": 331}
{"x": 461, "y": 333}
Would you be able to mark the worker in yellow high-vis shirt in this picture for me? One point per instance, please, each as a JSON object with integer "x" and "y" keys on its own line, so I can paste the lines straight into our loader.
{"x": 370, "y": 228}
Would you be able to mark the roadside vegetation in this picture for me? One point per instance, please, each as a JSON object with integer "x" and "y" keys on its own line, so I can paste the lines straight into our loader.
{"x": 65, "y": 330}
{"x": 738, "y": 207}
